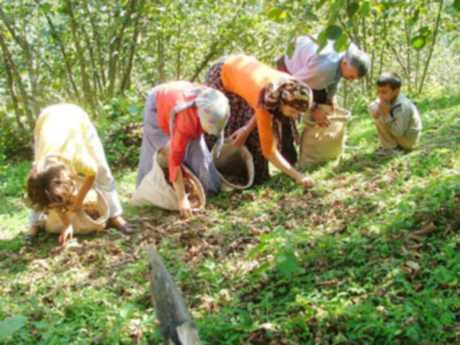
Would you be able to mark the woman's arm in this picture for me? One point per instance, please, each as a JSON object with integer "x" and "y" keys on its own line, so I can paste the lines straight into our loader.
{"x": 67, "y": 232}
{"x": 87, "y": 184}
{"x": 277, "y": 159}
{"x": 175, "y": 157}
{"x": 240, "y": 136}
{"x": 271, "y": 152}
{"x": 185, "y": 208}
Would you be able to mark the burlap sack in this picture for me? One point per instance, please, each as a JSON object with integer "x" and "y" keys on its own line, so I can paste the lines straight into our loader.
{"x": 92, "y": 218}
{"x": 155, "y": 188}
{"x": 320, "y": 144}
{"x": 235, "y": 166}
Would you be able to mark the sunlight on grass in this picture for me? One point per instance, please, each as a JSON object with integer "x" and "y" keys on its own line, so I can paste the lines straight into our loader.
{"x": 370, "y": 255}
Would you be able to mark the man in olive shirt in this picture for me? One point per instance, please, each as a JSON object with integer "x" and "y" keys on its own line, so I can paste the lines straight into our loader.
{"x": 397, "y": 119}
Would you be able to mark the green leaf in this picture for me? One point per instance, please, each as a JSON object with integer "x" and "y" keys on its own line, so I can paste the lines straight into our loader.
{"x": 277, "y": 14}
{"x": 9, "y": 326}
{"x": 287, "y": 264}
{"x": 457, "y": 5}
{"x": 425, "y": 31}
{"x": 334, "y": 9}
{"x": 352, "y": 8}
{"x": 341, "y": 43}
{"x": 443, "y": 276}
{"x": 45, "y": 7}
{"x": 333, "y": 32}
{"x": 365, "y": 8}
{"x": 414, "y": 19}
{"x": 322, "y": 39}
{"x": 262, "y": 269}
{"x": 41, "y": 325}
{"x": 418, "y": 42}
{"x": 320, "y": 4}
{"x": 291, "y": 47}
{"x": 126, "y": 310}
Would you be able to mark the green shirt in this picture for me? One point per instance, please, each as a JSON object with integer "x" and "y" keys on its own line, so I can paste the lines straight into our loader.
{"x": 404, "y": 118}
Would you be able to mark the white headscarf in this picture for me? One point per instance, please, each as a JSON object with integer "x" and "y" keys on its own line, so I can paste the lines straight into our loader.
{"x": 213, "y": 111}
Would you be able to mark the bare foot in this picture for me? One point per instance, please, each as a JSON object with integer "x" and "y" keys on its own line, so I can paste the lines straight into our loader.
{"x": 33, "y": 233}
{"x": 120, "y": 224}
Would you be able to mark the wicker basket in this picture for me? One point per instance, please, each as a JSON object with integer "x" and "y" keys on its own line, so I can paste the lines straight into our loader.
{"x": 235, "y": 166}
{"x": 82, "y": 223}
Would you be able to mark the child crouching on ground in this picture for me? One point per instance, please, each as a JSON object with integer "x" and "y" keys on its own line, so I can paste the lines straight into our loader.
{"x": 397, "y": 119}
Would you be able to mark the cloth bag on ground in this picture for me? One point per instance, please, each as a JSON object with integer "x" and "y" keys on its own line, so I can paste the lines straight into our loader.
{"x": 235, "y": 166}
{"x": 155, "y": 188}
{"x": 83, "y": 222}
{"x": 319, "y": 144}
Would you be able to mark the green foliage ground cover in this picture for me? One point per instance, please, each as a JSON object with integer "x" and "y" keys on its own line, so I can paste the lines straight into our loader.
{"x": 369, "y": 256}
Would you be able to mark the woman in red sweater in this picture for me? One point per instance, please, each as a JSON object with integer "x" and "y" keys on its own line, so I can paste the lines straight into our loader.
{"x": 176, "y": 115}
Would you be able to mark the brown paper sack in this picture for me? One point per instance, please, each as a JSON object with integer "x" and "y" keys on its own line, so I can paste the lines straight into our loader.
{"x": 318, "y": 144}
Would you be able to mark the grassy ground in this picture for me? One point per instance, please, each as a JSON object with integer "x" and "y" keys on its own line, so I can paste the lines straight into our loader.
{"x": 369, "y": 256}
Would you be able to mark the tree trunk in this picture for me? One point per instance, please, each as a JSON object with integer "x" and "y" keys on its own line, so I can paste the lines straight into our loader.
{"x": 99, "y": 46}
{"x": 161, "y": 57}
{"x": 219, "y": 44}
{"x": 365, "y": 47}
{"x": 399, "y": 59}
{"x": 10, "y": 83}
{"x": 179, "y": 54}
{"x": 65, "y": 57}
{"x": 408, "y": 51}
{"x": 126, "y": 80}
{"x": 8, "y": 58}
{"x": 24, "y": 44}
{"x": 417, "y": 68}
{"x": 98, "y": 88}
{"x": 115, "y": 50}
{"x": 435, "y": 35}
{"x": 212, "y": 52}
{"x": 382, "y": 47}
{"x": 87, "y": 90}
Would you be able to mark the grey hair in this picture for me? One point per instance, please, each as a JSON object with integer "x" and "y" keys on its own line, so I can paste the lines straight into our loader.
{"x": 358, "y": 59}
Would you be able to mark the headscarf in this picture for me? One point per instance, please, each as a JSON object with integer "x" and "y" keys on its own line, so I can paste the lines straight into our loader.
{"x": 213, "y": 111}
{"x": 290, "y": 92}
{"x": 287, "y": 91}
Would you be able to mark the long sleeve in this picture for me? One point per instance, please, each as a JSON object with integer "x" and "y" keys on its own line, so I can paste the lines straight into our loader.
{"x": 186, "y": 123}
{"x": 399, "y": 120}
{"x": 265, "y": 128}
{"x": 299, "y": 64}
{"x": 186, "y": 128}
{"x": 179, "y": 143}
{"x": 320, "y": 70}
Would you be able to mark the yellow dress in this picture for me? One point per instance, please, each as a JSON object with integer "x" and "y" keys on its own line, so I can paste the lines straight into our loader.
{"x": 65, "y": 130}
